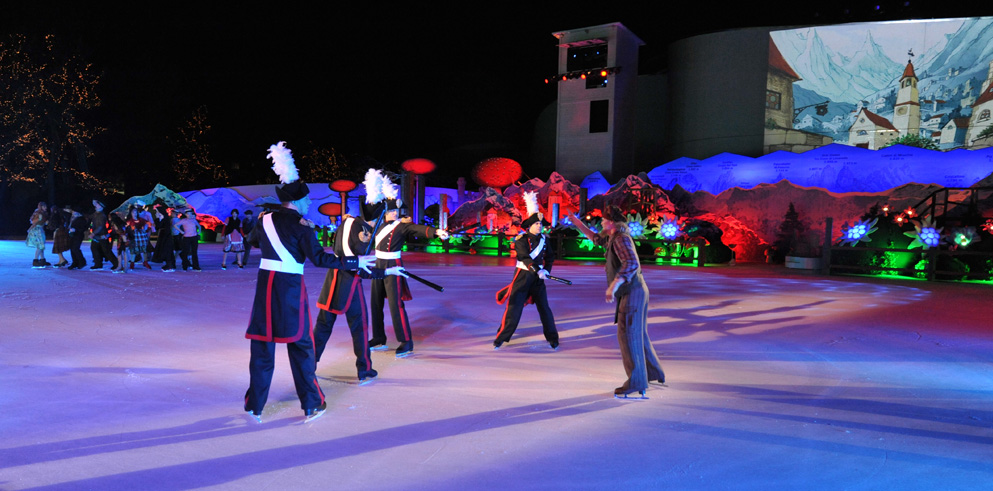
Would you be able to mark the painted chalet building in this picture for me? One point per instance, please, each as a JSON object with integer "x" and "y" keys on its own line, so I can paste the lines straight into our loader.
{"x": 982, "y": 110}
{"x": 952, "y": 135}
{"x": 779, "y": 114}
{"x": 871, "y": 131}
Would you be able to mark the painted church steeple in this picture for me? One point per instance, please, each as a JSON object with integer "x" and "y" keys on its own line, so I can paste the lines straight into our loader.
{"x": 907, "y": 110}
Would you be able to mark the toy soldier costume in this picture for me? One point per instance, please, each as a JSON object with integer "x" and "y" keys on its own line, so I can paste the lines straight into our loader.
{"x": 342, "y": 293}
{"x": 534, "y": 261}
{"x": 280, "y": 313}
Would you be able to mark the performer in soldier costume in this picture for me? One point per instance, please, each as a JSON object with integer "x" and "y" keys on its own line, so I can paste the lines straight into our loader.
{"x": 280, "y": 313}
{"x": 342, "y": 293}
{"x": 390, "y": 238}
{"x": 534, "y": 261}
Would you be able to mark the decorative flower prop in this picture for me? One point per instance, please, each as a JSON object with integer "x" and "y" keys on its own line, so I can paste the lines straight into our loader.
{"x": 964, "y": 237}
{"x": 858, "y": 232}
{"x": 988, "y": 226}
{"x": 669, "y": 229}
{"x": 910, "y": 212}
{"x": 594, "y": 226}
{"x": 886, "y": 209}
{"x": 638, "y": 226}
{"x": 456, "y": 239}
{"x": 900, "y": 219}
{"x": 925, "y": 235}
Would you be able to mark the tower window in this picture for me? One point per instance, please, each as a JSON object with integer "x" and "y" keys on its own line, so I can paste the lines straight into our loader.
{"x": 773, "y": 100}
{"x": 586, "y": 57}
{"x": 598, "y": 116}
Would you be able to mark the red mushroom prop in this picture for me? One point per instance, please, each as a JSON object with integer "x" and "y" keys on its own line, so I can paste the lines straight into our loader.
{"x": 496, "y": 172}
{"x": 330, "y": 209}
{"x": 418, "y": 166}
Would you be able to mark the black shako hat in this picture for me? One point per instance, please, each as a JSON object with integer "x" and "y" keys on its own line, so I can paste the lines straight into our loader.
{"x": 293, "y": 191}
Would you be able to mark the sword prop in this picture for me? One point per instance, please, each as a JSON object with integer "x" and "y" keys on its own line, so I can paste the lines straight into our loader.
{"x": 553, "y": 278}
{"x": 560, "y": 280}
{"x": 463, "y": 229}
{"x": 375, "y": 229}
{"x": 430, "y": 284}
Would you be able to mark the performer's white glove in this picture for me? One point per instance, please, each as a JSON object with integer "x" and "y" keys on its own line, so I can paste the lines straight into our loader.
{"x": 365, "y": 262}
{"x": 543, "y": 274}
{"x": 441, "y": 234}
{"x": 397, "y": 271}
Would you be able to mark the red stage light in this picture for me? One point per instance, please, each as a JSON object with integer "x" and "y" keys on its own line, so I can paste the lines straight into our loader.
{"x": 603, "y": 73}
{"x": 583, "y": 76}
{"x": 563, "y": 78}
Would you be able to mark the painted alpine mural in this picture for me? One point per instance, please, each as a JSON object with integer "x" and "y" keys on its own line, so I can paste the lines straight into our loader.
{"x": 871, "y": 85}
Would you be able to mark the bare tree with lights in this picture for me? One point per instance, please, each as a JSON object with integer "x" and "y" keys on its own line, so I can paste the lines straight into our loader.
{"x": 192, "y": 164}
{"x": 45, "y": 92}
{"x": 325, "y": 165}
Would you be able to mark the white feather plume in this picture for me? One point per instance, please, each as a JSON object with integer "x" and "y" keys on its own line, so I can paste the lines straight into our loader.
{"x": 390, "y": 190}
{"x": 282, "y": 163}
{"x": 373, "y": 186}
{"x": 531, "y": 200}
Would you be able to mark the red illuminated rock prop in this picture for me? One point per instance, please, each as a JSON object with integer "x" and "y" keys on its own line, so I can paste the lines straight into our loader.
{"x": 468, "y": 213}
{"x": 497, "y": 172}
{"x": 556, "y": 185}
{"x": 635, "y": 194}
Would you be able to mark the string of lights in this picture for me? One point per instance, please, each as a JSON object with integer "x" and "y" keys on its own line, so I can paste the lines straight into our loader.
{"x": 584, "y": 74}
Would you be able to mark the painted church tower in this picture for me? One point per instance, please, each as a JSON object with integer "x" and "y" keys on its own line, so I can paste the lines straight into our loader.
{"x": 907, "y": 111}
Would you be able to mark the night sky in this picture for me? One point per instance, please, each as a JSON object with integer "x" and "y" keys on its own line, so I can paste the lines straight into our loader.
{"x": 453, "y": 84}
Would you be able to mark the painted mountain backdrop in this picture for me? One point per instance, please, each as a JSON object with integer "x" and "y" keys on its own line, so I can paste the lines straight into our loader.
{"x": 859, "y": 65}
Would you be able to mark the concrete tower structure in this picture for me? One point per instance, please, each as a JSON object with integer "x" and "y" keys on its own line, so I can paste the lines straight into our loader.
{"x": 595, "y": 131}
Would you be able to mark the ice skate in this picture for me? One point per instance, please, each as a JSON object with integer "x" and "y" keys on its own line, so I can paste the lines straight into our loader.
{"x": 624, "y": 393}
{"x": 367, "y": 377}
{"x": 405, "y": 349}
{"x": 317, "y": 412}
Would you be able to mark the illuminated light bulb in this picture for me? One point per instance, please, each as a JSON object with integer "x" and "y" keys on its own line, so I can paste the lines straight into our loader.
{"x": 564, "y": 78}
{"x": 583, "y": 76}
{"x": 603, "y": 73}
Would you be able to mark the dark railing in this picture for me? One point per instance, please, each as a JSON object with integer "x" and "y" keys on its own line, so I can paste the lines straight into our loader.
{"x": 934, "y": 257}
{"x": 690, "y": 251}
{"x": 936, "y": 204}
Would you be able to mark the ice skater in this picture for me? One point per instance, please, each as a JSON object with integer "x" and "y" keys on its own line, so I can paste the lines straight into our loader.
{"x": 626, "y": 286}
{"x": 342, "y": 293}
{"x": 534, "y": 261}
{"x": 36, "y": 235}
{"x": 280, "y": 313}
{"x": 390, "y": 238}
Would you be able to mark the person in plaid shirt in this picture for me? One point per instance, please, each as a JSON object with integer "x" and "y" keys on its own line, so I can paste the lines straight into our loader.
{"x": 627, "y": 287}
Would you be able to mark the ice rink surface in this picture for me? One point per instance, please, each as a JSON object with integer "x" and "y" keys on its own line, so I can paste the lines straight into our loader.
{"x": 775, "y": 380}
